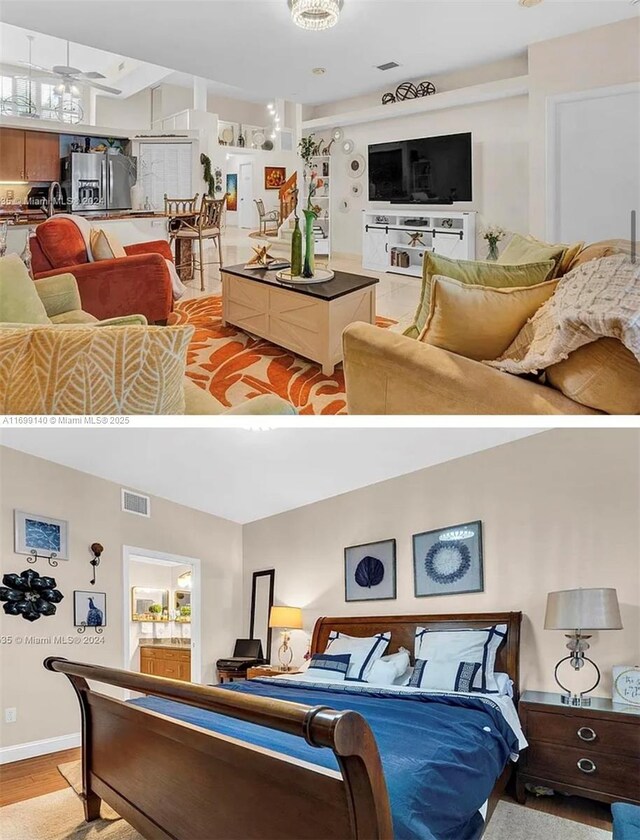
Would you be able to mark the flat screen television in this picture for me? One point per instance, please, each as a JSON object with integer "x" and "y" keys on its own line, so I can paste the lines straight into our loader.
{"x": 429, "y": 170}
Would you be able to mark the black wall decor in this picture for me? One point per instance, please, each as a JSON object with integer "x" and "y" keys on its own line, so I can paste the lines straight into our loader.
{"x": 370, "y": 571}
{"x": 29, "y": 595}
{"x": 407, "y": 90}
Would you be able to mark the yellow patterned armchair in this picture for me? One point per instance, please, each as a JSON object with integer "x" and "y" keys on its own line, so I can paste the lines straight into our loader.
{"x": 57, "y": 359}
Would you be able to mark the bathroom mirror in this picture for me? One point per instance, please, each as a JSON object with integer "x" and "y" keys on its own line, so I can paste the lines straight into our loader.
{"x": 262, "y": 586}
{"x": 148, "y": 604}
{"x": 182, "y": 605}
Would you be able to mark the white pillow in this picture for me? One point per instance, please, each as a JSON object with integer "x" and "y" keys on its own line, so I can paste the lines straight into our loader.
{"x": 364, "y": 651}
{"x": 505, "y": 684}
{"x": 387, "y": 669}
{"x": 455, "y": 647}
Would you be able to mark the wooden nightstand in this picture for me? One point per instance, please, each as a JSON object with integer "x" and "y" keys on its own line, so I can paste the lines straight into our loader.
{"x": 267, "y": 671}
{"x": 591, "y": 751}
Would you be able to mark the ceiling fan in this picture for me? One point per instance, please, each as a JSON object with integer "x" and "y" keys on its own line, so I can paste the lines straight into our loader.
{"x": 70, "y": 77}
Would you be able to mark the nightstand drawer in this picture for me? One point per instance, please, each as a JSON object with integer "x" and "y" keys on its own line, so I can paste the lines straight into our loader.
{"x": 584, "y": 732}
{"x": 616, "y": 775}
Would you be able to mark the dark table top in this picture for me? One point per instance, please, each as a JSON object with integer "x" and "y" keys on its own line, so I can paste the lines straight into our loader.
{"x": 342, "y": 284}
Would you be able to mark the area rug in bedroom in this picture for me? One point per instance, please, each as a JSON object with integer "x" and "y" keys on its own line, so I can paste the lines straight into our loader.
{"x": 235, "y": 366}
{"x": 59, "y": 816}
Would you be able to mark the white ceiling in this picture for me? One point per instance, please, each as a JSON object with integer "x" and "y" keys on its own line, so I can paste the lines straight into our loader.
{"x": 246, "y": 475}
{"x": 253, "y": 45}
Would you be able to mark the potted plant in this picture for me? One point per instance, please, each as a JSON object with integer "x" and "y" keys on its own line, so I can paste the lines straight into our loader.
{"x": 155, "y": 610}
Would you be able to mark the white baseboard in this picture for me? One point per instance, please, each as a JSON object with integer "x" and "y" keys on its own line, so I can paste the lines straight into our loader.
{"x": 35, "y": 748}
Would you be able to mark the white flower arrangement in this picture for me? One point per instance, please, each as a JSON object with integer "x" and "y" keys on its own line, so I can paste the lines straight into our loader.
{"x": 494, "y": 234}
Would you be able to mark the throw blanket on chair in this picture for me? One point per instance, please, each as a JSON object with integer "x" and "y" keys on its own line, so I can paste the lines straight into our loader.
{"x": 599, "y": 299}
{"x": 85, "y": 228}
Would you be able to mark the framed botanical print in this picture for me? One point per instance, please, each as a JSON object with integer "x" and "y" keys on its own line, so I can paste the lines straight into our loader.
{"x": 448, "y": 561}
{"x": 370, "y": 571}
{"x": 41, "y": 535}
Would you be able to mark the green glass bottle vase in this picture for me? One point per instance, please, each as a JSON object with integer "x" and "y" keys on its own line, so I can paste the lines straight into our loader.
{"x": 309, "y": 255}
{"x": 296, "y": 250}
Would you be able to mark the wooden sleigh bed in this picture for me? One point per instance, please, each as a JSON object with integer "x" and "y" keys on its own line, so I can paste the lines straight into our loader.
{"x": 174, "y": 781}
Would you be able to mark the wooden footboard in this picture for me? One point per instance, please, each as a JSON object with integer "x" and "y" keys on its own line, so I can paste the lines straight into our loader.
{"x": 174, "y": 781}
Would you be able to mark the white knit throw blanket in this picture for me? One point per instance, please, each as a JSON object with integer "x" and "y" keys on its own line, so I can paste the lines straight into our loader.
{"x": 85, "y": 228}
{"x": 599, "y": 299}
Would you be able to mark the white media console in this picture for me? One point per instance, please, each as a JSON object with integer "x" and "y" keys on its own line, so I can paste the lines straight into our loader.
{"x": 389, "y": 240}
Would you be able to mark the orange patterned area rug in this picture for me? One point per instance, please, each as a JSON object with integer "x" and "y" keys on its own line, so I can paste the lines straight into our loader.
{"x": 235, "y": 366}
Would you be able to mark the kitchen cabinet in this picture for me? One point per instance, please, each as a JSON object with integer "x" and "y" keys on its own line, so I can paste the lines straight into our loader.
{"x": 29, "y": 155}
{"x": 42, "y": 156}
{"x": 12, "y": 154}
{"x": 159, "y": 661}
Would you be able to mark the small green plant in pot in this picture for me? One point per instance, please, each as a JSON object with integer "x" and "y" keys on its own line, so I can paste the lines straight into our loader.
{"x": 155, "y": 609}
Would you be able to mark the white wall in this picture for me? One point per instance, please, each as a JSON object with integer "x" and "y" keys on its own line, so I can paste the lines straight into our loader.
{"x": 131, "y": 113}
{"x": 46, "y": 705}
{"x": 501, "y": 188}
{"x": 559, "y": 510}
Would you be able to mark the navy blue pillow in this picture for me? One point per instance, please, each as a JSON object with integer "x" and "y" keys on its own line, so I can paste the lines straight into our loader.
{"x": 328, "y": 666}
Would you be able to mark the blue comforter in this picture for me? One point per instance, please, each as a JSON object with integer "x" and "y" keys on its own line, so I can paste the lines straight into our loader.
{"x": 441, "y": 754}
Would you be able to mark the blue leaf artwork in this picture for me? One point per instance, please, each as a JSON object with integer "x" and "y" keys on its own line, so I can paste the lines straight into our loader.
{"x": 42, "y": 535}
{"x": 369, "y": 572}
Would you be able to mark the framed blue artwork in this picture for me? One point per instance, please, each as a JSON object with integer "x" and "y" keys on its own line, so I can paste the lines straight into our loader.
{"x": 370, "y": 571}
{"x": 89, "y": 609}
{"x": 448, "y": 561}
{"x": 41, "y": 535}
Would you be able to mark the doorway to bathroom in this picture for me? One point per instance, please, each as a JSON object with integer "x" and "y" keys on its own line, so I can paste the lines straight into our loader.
{"x": 162, "y": 615}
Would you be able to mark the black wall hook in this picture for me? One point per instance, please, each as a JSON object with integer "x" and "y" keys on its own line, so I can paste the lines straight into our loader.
{"x": 96, "y": 550}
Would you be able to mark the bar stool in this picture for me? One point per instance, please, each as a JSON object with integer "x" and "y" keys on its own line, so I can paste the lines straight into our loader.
{"x": 206, "y": 225}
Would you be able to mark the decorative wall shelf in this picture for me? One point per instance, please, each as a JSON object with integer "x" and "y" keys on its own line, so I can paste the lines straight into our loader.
{"x": 486, "y": 92}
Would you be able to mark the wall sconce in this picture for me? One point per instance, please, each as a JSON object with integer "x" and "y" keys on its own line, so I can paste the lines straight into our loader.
{"x": 96, "y": 550}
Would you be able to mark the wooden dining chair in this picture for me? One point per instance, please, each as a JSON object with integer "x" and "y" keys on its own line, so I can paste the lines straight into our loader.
{"x": 178, "y": 210}
{"x": 207, "y": 225}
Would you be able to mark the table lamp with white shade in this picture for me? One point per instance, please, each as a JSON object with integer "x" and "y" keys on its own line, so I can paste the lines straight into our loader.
{"x": 578, "y": 610}
{"x": 285, "y": 619}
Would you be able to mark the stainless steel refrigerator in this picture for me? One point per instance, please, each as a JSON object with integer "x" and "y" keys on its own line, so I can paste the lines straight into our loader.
{"x": 98, "y": 181}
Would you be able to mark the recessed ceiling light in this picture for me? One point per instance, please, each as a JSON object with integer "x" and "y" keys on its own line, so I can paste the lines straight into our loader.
{"x": 319, "y": 71}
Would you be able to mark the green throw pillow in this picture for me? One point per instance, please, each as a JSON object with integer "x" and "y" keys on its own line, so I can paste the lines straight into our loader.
{"x": 474, "y": 273}
{"x": 19, "y": 300}
{"x": 522, "y": 249}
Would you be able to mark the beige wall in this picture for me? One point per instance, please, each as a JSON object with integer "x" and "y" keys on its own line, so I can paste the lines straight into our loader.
{"x": 559, "y": 509}
{"x": 601, "y": 57}
{"x": 45, "y": 702}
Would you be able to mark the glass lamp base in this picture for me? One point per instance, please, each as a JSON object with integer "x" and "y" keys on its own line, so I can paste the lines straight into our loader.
{"x": 575, "y": 700}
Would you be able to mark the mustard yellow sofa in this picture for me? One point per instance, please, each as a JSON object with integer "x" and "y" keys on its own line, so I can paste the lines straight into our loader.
{"x": 388, "y": 373}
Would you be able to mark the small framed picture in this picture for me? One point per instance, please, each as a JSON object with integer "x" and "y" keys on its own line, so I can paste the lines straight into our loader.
{"x": 626, "y": 684}
{"x": 274, "y": 177}
{"x": 89, "y": 609}
{"x": 448, "y": 561}
{"x": 370, "y": 571}
{"x": 42, "y": 535}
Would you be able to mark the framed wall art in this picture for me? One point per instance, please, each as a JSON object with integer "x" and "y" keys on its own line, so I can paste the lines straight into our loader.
{"x": 370, "y": 571}
{"x": 89, "y": 609}
{"x": 448, "y": 561}
{"x": 274, "y": 177}
{"x": 232, "y": 192}
{"x": 40, "y": 536}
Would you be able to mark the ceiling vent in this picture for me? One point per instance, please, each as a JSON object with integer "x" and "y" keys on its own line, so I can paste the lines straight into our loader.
{"x": 136, "y": 503}
{"x": 390, "y": 65}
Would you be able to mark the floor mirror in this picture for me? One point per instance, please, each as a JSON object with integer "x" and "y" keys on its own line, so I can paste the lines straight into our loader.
{"x": 262, "y": 586}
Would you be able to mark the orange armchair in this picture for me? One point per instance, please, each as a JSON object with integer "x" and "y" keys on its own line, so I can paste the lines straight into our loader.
{"x": 138, "y": 284}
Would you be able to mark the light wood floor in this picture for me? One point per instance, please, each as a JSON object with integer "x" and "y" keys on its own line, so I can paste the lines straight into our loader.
{"x": 38, "y": 776}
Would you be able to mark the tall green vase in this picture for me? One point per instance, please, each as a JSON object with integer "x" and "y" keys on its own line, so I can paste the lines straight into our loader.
{"x": 309, "y": 255}
{"x": 296, "y": 250}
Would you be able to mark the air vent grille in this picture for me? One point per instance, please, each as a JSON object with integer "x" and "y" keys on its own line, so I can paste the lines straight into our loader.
{"x": 136, "y": 503}
{"x": 390, "y": 65}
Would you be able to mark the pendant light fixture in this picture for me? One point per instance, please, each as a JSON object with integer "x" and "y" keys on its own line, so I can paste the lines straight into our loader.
{"x": 315, "y": 14}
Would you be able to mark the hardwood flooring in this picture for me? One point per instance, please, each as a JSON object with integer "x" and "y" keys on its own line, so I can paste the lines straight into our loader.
{"x": 38, "y": 776}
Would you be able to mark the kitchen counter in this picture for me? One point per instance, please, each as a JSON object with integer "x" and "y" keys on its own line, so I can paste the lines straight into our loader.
{"x": 32, "y": 218}
{"x": 185, "y": 645}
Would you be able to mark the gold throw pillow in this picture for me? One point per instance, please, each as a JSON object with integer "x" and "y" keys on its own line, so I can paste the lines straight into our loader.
{"x": 105, "y": 245}
{"x": 480, "y": 322}
{"x": 80, "y": 369}
{"x": 602, "y": 375}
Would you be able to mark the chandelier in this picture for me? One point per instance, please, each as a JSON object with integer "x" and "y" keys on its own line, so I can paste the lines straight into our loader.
{"x": 315, "y": 14}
